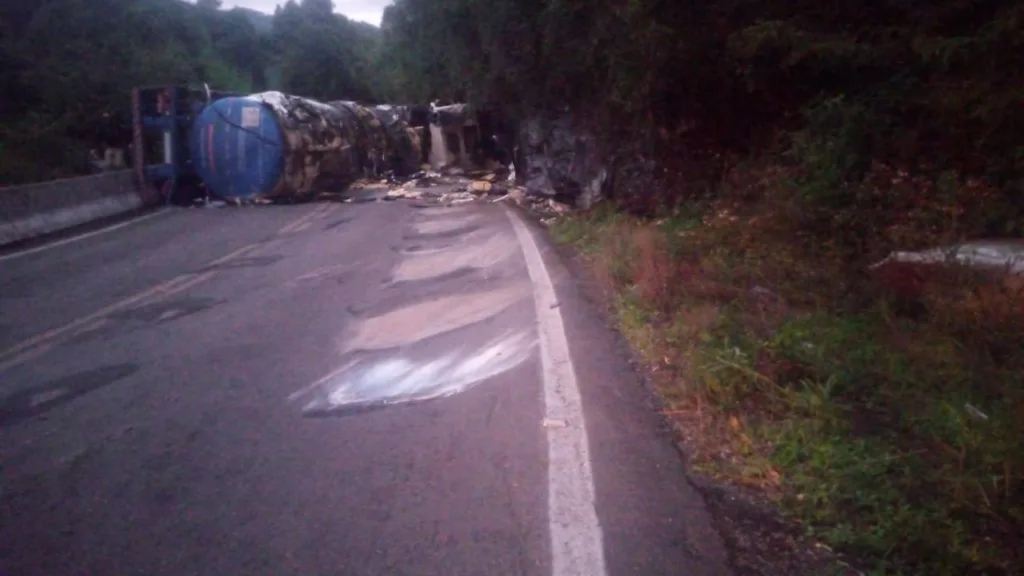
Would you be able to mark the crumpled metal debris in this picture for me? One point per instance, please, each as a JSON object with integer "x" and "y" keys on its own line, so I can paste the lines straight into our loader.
{"x": 1001, "y": 255}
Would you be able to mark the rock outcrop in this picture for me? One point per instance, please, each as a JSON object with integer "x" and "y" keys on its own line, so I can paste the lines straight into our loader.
{"x": 560, "y": 159}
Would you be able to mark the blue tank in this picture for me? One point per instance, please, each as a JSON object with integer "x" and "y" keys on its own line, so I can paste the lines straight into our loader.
{"x": 277, "y": 145}
{"x": 238, "y": 148}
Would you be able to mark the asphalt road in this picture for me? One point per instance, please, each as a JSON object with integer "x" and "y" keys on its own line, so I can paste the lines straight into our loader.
{"x": 325, "y": 389}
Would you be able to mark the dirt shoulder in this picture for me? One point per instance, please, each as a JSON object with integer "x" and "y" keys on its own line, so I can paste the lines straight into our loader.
{"x": 824, "y": 434}
{"x": 759, "y": 540}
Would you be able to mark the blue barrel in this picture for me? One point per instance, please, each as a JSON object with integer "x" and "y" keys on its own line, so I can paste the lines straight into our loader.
{"x": 238, "y": 149}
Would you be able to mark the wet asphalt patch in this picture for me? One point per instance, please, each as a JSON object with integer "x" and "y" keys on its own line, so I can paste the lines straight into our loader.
{"x": 38, "y": 400}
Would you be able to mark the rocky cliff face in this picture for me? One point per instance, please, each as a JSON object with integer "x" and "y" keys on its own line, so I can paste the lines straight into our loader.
{"x": 559, "y": 158}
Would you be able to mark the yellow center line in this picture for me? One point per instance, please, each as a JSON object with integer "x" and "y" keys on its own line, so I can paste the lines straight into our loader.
{"x": 241, "y": 251}
{"x": 53, "y": 333}
{"x": 40, "y": 343}
{"x": 308, "y": 217}
{"x": 29, "y": 354}
{"x": 329, "y": 208}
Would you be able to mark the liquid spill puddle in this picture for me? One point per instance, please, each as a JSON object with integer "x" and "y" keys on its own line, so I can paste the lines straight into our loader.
{"x": 398, "y": 377}
{"x": 423, "y": 320}
{"x": 446, "y": 224}
{"x": 449, "y": 233}
{"x": 492, "y": 251}
{"x": 423, "y": 248}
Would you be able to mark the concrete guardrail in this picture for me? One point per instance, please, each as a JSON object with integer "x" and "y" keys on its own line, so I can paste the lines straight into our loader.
{"x": 37, "y": 209}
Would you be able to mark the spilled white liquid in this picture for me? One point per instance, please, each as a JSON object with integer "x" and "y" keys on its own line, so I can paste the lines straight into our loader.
{"x": 439, "y": 155}
{"x": 397, "y": 379}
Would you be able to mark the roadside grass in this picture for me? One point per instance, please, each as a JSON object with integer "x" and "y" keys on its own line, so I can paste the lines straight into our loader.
{"x": 894, "y": 437}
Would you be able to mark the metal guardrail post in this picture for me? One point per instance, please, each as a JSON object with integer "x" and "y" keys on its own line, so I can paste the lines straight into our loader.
{"x": 138, "y": 149}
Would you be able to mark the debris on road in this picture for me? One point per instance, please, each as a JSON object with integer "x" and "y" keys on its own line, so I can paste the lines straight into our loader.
{"x": 456, "y": 186}
{"x": 481, "y": 187}
{"x": 447, "y": 186}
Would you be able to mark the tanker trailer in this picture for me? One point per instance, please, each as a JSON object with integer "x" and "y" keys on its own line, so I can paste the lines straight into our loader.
{"x": 273, "y": 145}
{"x": 387, "y": 141}
{"x": 404, "y": 141}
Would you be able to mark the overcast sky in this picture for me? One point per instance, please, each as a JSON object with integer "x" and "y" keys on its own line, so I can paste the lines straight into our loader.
{"x": 365, "y": 10}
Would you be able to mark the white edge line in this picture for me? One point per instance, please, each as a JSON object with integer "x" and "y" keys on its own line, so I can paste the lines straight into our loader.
{"x": 83, "y": 236}
{"x": 577, "y": 547}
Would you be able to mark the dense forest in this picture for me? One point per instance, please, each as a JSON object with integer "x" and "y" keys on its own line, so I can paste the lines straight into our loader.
{"x": 932, "y": 88}
{"x": 67, "y": 67}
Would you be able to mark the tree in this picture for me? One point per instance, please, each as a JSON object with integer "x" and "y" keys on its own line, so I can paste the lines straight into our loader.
{"x": 324, "y": 55}
{"x": 61, "y": 98}
{"x": 317, "y": 8}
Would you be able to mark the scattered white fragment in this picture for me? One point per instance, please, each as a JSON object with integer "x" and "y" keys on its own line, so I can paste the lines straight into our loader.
{"x": 1007, "y": 255}
{"x": 974, "y": 412}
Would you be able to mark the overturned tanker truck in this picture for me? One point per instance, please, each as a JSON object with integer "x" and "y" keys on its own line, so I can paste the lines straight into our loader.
{"x": 272, "y": 145}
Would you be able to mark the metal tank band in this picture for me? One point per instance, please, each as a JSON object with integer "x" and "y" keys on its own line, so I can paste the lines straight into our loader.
{"x": 271, "y": 145}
